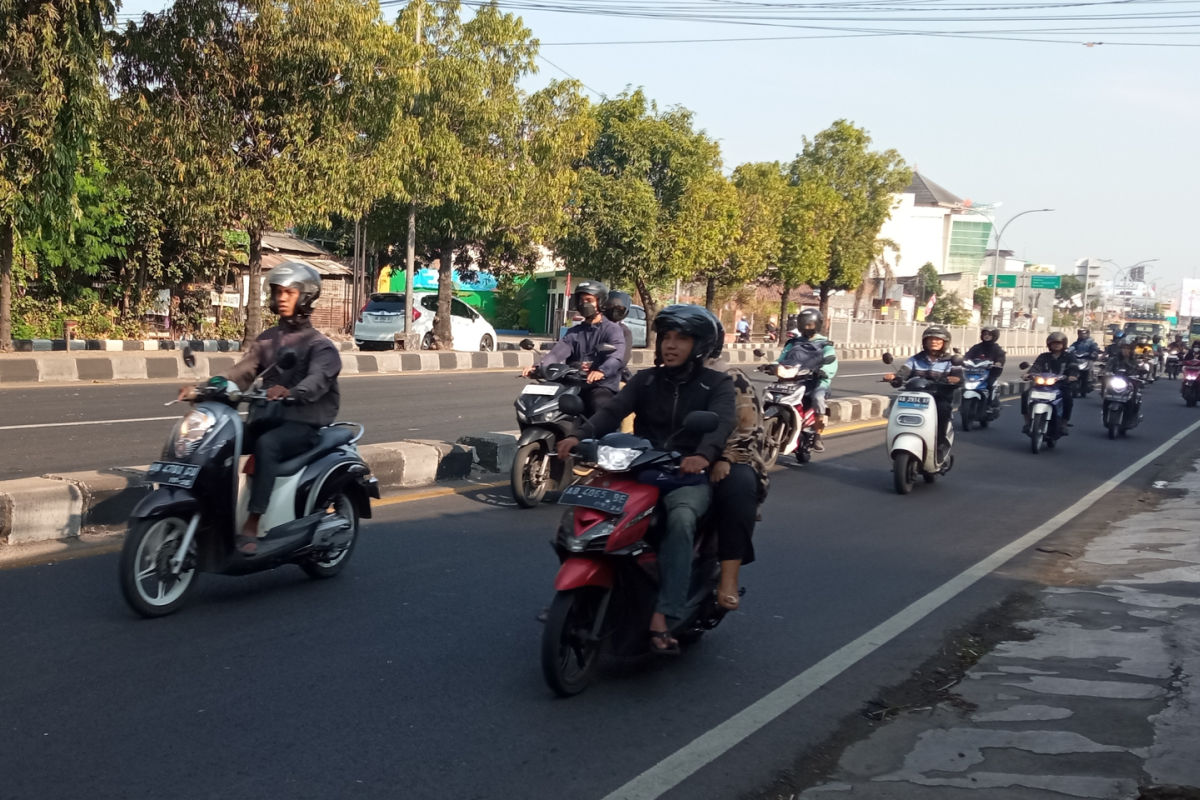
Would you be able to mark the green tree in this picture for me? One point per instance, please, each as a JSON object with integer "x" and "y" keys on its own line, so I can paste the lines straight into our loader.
{"x": 50, "y": 99}
{"x": 948, "y": 310}
{"x": 1068, "y": 288}
{"x": 706, "y": 234}
{"x": 983, "y": 299}
{"x": 811, "y": 218}
{"x": 269, "y": 113}
{"x": 645, "y": 175}
{"x": 929, "y": 282}
{"x": 864, "y": 182}
{"x": 762, "y": 195}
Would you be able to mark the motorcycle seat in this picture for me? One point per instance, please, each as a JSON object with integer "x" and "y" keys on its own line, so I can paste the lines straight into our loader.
{"x": 329, "y": 439}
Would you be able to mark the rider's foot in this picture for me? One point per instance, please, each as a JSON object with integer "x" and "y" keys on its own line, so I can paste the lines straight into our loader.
{"x": 818, "y": 446}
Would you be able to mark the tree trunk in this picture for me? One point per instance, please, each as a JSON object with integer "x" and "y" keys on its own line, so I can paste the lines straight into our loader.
{"x": 6, "y": 254}
{"x": 442, "y": 332}
{"x": 823, "y": 292}
{"x": 785, "y": 294}
{"x": 710, "y": 293}
{"x": 254, "y": 295}
{"x": 648, "y": 301}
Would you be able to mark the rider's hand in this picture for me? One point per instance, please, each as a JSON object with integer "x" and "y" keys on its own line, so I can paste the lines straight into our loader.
{"x": 1072, "y": 378}
{"x": 693, "y": 465}
{"x": 277, "y": 392}
{"x": 719, "y": 471}
{"x": 525, "y": 373}
{"x": 889, "y": 376}
{"x": 565, "y": 446}
{"x": 953, "y": 379}
{"x": 186, "y": 392}
{"x": 594, "y": 376}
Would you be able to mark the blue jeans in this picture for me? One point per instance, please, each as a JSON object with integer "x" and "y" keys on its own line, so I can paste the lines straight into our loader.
{"x": 684, "y": 506}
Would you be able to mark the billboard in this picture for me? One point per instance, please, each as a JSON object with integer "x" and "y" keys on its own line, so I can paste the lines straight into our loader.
{"x": 1189, "y": 299}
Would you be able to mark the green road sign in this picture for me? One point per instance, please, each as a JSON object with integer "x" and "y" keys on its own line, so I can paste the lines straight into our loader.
{"x": 1004, "y": 281}
{"x": 1045, "y": 281}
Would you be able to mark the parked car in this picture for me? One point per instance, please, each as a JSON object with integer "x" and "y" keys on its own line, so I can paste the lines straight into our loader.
{"x": 382, "y": 318}
{"x": 635, "y": 321}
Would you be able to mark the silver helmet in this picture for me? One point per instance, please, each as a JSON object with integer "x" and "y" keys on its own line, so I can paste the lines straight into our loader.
{"x": 302, "y": 277}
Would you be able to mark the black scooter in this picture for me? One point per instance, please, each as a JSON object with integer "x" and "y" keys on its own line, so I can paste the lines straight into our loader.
{"x": 188, "y": 523}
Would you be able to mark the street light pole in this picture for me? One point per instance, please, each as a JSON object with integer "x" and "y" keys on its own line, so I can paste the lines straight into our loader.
{"x": 996, "y": 260}
{"x": 1123, "y": 272}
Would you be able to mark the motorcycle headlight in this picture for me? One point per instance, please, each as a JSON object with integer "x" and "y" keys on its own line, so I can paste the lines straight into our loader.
{"x": 194, "y": 427}
{"x": 615, "y": 459}
{"x": 1039, "y": 381}
{"x": 1117, "y": 384}
{"x": 786, "y": 372}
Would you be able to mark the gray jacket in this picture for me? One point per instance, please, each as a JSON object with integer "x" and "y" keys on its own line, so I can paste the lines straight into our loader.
{"x": 312, "y": 381}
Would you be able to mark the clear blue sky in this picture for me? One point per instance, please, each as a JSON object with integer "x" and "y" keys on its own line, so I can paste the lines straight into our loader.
{"x": 1107, "y": 135}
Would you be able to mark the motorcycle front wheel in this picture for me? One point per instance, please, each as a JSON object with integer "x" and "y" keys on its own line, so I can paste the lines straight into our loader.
{"x": 1037, "y": 434}
{"x": 773, "y": 429}
{"x": 570, "y": 653}
{"x": 530, "y": 474}
{"x": 904, "y": 472}
{"x": 147, "y": 583}
{"x": 967, "y": 414}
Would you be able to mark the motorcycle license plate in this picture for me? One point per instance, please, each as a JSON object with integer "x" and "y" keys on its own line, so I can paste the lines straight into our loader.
{"x": 540, "y": 388}
{"x": 609, "y": 501}
{"x": 912, "y": 401}
{"x": 1043, "y": 396}
{"x": 172, "y": 474}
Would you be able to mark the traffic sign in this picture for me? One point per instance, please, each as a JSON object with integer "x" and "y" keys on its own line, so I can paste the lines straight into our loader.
{"x": 1003, "y": 281}
{"x": 1045, "y": 281}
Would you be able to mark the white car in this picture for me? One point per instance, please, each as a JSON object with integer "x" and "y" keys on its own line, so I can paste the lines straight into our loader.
{"x": 382, "y": 318}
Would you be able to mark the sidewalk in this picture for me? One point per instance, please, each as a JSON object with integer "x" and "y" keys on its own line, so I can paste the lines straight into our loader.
{"x": 1099, "y": 698}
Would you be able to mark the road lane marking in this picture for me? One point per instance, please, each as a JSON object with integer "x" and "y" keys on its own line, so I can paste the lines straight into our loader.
{"x": 685, "y": 762}
{"x": 72, "y": 424}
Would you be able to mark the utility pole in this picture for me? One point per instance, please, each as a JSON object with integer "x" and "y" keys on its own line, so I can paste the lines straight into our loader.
{"x": 411, "y": 340}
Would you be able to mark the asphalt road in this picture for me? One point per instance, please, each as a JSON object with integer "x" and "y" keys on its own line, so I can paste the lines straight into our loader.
{"x": 415, "y": 674}
{"x": 75, "y": 427}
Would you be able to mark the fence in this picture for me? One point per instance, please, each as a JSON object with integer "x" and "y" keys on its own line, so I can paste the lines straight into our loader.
{"x": 847, "y": 332}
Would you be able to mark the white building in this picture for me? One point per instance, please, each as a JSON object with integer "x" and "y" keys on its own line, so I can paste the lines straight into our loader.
{"x": 930, "y": 224}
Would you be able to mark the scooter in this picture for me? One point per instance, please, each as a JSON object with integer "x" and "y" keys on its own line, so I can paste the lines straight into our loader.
{"x": 1045, "y": 409}
{"x": 187, "y": 524}
{"x": 789, "y": 419}
{"x": 544, "y": 424}
{"x": 1083, "y": 386}
{"x": 912, "y": 435}
{"x": 1122, "y": 396}
{"x": 607, "y": 580}
{"x": 978, "y": 404}
{"x": 1189, "y": 387}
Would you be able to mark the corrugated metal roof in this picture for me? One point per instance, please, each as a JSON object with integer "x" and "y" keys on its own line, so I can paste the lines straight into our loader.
{"x": 324, "y": 266}
{"x": 281, "y": 240}
{"x": 929, "y": 193}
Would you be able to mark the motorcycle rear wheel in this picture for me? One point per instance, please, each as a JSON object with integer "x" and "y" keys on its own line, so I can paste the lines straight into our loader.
{"x": 146, "y": 583}
{"x": 570, "y": 655}
{"x": 904, "y": 472}
{"x": 331, "y": 564}
{"x": 528, "y": 489}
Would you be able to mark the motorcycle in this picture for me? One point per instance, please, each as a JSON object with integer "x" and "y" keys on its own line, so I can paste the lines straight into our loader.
{"x": 978, "y": 403}
{"x": 1122, "y": 396}
{"x": 1083, "y": 386}
{"x": 789, "y": 419}
{"x": 1172, "y": 364}
{"x": 607, "y": 580}
{"x": 1045, "y": 409}
{"x": 543, "y": 425}
{"x": 187, "y": 524}
{"x": 912, "y": 433}
{"x": 1190, "y": 386}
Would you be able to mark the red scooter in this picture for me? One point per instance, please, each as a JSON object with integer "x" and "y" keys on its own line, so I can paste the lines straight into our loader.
{"x": 607, "y": 582}
{"x": 1190, "y": 386}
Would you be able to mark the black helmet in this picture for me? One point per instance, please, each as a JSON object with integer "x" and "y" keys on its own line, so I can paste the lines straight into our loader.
{"x": 936, "y": 332}
{"x": 992, "y": 329}
{"x": 297, "y": 275}
{"x": 694, "y": 321}
{"x": 1083, "y": 332}
{"x": 595, "y": 289}
{"x": 1057, "y": 336}
{"x": 617, "y": 306}
{"x": 809, "y": 319}
{"x": 1157, "y": 339}
{"x": 719, "y": 345}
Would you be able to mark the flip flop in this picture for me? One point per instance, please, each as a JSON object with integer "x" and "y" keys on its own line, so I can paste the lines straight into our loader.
{"x": 669, "y": 644}
{"x": 729, "y": 602}
{"x": 246, "y": 545}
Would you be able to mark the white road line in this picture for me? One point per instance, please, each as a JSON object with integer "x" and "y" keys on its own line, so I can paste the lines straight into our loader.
{"x": 680, "y": 765}
{"x": 72, "y": 424}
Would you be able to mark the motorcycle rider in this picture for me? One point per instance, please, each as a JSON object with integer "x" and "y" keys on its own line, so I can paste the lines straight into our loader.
{"x": 809, "y": 323}
{"x": 1115, "y": 346}
{"x": 988, "y": 348}
{"x": 660, "y": 398}
{"x": 616, "y": 309}
{"x": 1085, "y": 346}
{"x": 1124, "y": 360}
{"x": 583, "y": 343}
{"x": 1193, "y": 352}
{"x": 284, "y": 431}
{"x": 934, "y": 362}
{"x": 1060, "y": 361}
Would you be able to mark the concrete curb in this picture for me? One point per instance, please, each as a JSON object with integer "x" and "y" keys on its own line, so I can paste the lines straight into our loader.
{"x": 117, "y": 345}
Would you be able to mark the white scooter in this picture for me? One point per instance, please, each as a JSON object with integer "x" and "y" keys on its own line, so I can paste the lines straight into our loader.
{"x": 912, "y": 434}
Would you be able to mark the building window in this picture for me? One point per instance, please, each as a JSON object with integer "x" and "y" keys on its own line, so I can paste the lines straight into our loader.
{"x": 968, "y": 245}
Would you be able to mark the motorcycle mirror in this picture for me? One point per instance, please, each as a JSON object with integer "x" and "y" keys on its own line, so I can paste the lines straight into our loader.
{"x": 189, "y": 358}
{"x": 956, "y": 350}
{"x": 888, "y": 358}
{"x": 758, "y": 352}
{"x": 697, "y": 421}
{"x": 527, "y": 344}
{"x": 829, "y": 359}
{"x": 956, "y": 360}
{"x": 606, "y": 348}
{"x": 571, "y": 404}
{"x": 1023, "y": 365}
{"x": 286, "y": 358}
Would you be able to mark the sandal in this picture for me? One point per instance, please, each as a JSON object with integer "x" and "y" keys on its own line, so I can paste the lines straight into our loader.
{"x": 662, "y": 643}
{"x": 729, "y": 602}
{"x": 246, "y": 545}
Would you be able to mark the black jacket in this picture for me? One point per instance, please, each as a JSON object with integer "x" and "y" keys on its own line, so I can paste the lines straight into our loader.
{"x": 661, "y": 402}
{"x": 312, "y": 381}
{"x": 992, "y": 351}
{"x": 1066, "y": 364}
